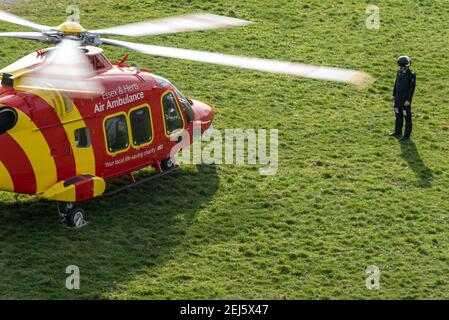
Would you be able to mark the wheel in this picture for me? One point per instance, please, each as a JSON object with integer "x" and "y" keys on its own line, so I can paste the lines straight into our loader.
{"x": 75, "y": 218}
{"x": 167, "y": 164}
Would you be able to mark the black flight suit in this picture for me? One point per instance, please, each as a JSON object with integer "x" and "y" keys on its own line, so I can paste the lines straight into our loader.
{"x": 404, "y": 88}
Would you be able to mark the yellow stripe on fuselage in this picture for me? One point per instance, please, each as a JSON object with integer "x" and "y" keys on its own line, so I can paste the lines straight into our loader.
{"x": 33, "y": 143}
{"x": 6, "y": 183}
{"x": 84, "y": 157}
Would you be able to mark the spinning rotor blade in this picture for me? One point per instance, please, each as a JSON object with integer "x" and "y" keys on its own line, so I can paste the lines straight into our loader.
{"x": 66, "y": 69}
{"x": 283, "y": 67}
{"x": 23, "y": 35}
{"x": 192, "y": 22}
{"x": 8, "y": 17}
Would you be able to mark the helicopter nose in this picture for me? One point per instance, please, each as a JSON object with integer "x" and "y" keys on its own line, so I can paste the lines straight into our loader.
{"x": 203, "y": 113}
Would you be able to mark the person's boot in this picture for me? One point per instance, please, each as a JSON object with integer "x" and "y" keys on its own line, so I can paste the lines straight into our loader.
{"x": 405, "y": 139}
{"x": 396, "y": 135}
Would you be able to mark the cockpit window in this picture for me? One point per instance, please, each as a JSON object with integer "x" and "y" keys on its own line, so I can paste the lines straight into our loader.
{"x": 161, "y": 82}
{"x": 172, "y": 115}
{"x": 185, "y": 105}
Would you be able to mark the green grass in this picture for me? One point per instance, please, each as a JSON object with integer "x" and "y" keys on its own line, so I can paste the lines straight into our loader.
{"x": 345, "y": 195}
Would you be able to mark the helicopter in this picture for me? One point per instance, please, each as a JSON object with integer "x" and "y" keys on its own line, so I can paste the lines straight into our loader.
{"x": 72, "y": 120}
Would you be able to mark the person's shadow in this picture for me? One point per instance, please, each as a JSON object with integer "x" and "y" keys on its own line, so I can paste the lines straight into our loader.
{"x": 410, "y": 153}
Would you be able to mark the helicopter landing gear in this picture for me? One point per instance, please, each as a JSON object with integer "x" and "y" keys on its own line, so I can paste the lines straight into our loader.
{"x": 72, "y": 217}
{"x": 167, "y": 164}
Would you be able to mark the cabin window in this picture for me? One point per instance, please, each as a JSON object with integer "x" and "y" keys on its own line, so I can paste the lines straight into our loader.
{"x": 82, "y": 138}
{"x": 172, "y": 116}
{"x": 117, "y": 133}
{"x": 141, "y": 126}
{"x": 185, "y": 105}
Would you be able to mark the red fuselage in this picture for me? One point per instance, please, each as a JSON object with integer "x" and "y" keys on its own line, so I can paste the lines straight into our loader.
{"x": 46, "y": 146}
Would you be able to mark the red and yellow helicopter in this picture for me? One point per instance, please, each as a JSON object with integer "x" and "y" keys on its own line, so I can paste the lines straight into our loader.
{"x": 70, "y": 119}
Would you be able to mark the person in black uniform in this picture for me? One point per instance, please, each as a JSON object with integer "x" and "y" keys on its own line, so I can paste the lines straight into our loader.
{"x": 404, "y": 88}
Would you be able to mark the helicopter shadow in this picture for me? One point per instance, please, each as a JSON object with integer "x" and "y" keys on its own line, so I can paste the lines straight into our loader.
{"x": 128, "y": 233}
{"x": 410, "y": 153}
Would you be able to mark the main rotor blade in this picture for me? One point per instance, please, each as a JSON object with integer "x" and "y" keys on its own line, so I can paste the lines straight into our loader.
{"x": 282, "y": 67}
{"x": 9, "y": 17}
{"x": 23, "y": 35}
{"x": 192, "y": 22}
{"x": 66, "y": 69}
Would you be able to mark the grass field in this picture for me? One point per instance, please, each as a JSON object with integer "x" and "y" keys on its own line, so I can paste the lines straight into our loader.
{"x": 345, "y": 196}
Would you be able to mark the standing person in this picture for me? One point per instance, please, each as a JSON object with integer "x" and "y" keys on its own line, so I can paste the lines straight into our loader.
{"x": 404, "y": 88}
